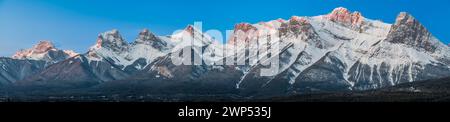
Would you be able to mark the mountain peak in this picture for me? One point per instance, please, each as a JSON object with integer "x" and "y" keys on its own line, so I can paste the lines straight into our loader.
{"x": 296, "y": 22}
{"x": 295, "y": 25}
{"x": 190, "y": 29}
{"x": 148, "y": 38}
{"x": 298, "y": 19}
{"x": 144, "y": 31}
{"x": 344, "y": 16}
{"x": 114, "y": 33}
{"x": 43, "y": 46}
{"x": 409, "y": 31}
{"x": 245, "y": 27}
{"x": 405, "y": 18}
{"x": 340, "y": 10}
{"x": 281, "y": 20}
{"x": 145, "y": 37}
{"x": 243, "y": 32}
{"x": 40, "y": 48}
{"x": 112, "y": 40}
{"x": 71, "y": 53}
{"x": 44, "y": 50}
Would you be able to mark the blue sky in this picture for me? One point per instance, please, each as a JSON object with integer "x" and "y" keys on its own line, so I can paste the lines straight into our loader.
{"x": 75, "y": 24}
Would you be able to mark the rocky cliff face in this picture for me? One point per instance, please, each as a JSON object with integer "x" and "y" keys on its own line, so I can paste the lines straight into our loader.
{"x": 407, "y": 30}
{"x": 343, "y": 16}
{"x": 12, "y": 70}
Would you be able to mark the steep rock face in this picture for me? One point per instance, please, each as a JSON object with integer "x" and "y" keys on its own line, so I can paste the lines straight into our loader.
{"x": 407, "y": 30}
{"x": 77, "y": 71}
{"x": 327, "y": 74}
{"x": 148, "y": 38}
{"x": 243, "y": 32}
{"x": 111, "y": 40}
{"x": 12, "y": 70}
{"x": 343, "y": 16}
{"x": 296, "y": 25}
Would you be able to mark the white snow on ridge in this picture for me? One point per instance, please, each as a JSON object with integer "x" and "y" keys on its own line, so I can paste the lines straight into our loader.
{"x": 143, "y": 51}
{"x": 396, "y": 54}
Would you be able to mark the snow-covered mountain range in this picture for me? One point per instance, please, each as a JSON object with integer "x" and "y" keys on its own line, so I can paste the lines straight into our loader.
{"x": 338, "y": 51}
